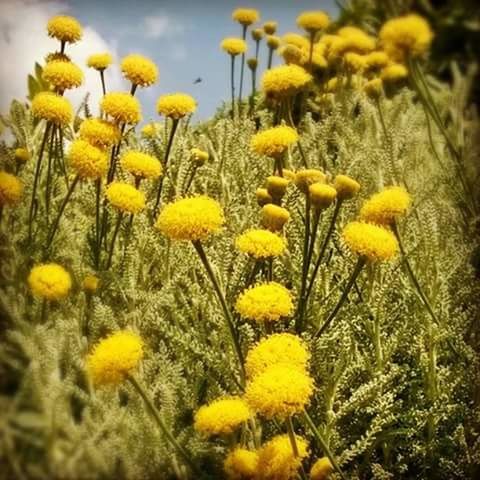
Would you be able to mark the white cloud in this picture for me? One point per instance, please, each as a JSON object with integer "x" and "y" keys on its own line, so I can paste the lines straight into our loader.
{"x": 161, "y": 26}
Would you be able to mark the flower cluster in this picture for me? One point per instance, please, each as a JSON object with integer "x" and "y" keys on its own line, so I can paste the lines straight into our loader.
{"x": 87, "y": 160}
{"x": 285, "y": 80}
{"x": 52, "y": 107}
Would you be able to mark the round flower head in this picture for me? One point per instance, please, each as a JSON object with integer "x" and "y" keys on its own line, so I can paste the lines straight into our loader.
{"x": 274, "y": 217}
{"x": 276, "y": 460}
{"x": 122, "y": 107}
{"x": 257, "y": 34}
{"x": 406, "y": 36}
{"x": 141, "y": 165}
{"x": 285, "y": 80}
{"x": 62, "y": 75}
{"x": 273, "y": 142}
{"x": 370, "y": 241}
{"x": 192, "y": 218}
{"x": 11, "y": 189}
{"x": 354, "y": 62}
{"x": 321, "y": 195}
{"x": 373, "y": 88}
{"x": 64, "y": 28}
{"x": 260, "y": 243}
{"x": 384, "y": 207}
{"x": 87, "y": 161}
{"x": 297, "y": 40}
{"x": 114, "y": 357}
{"x": 312, "y": 22}
{"x": 273, "y": 42}
{"x": 151, "y": 129}
{"x": 125, "y": 197}
{"x": 52, "y": 107}
{"x": 198, "y": 156}
{"x": 270, "y": 27}
{"x": 354, "y": 39}
{"x": 277, "y": 349}
{"x": 307, "y": 177}
{"x": 263, "y": 197}
{"x": 98, "y": 132}
{"x": 233, "y": 46}
{"x": 22, "y": 155}
{"x": 279, "y": 391}
{"x": 277, "y": 186}
{"x": 99, "y": 61}
{"x": 222, "y": 416}
{"x": 346, "y": 187}
{"x": 376, "y": 59}
{"x": 176, "y": 105}
{"x": 245, "y": 16}
{"x": 292, "y": 54}
{"x": 321, "y": 469}
{"x": 49, "y": 281}
{"x": 139, "y": 70}
{"x": 252, "y": 63}
{"x": 241, "y": 464}
{"x": 267, "y": 302}
{"x": 394, "y": 73}
{"x": 90, "y": 283}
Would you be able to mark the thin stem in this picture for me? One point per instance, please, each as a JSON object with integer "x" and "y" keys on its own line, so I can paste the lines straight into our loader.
{"x": 43, "y": 311}
{"x": 98, "y": 244}
{"x": 190, "y": 179}
{"x": 302, "y": 154}
{"x": 114, "y": 238}
{"x": 133, "y": 89}
{"x": 102, "y": 78}
{"x": 270, "y": 57}
{"x": 48, "y": 186}
{"x": 310, "y": 55}
{"x": 293, "y": 443}
{"x": 242, "y": 68}
{"x": 232, "y": 84}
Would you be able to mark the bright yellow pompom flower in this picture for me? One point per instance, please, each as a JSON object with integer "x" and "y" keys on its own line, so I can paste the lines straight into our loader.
{"x": 151, "y": 129}
{"x": 52, "y": 107}
{"x": 321, "y": 195}
{"x": 222, "y": 416}
{"x": 377, "y": 59}
{"x": 394, "y": 72}
{"x": 241, "y": 464}
{"x": 62, "y": 75}
{"x": 141, "y": 165}
{"x": 346, "y": 187}
{"x": 384, "y": 207}
{"x": 22, "y": 155}
{"x": 321, "y": 469}
{"x": 176, "y": 105}
{"x": 285, "y": 80}
{"x": 277, "y": 349}
{"x": 49, "y": 281}
{"x": 370, "y": 241}
{"x": 139, "y": 70}
{"x": 99, "y": 61}
{"x": 267, "y": 302}
{"x": 114, "y": 357}
{"x": 313, "y": 21}
{"x": 274, "y": 217}
{"x": 11, "y": 189}
{"x": 98, "y": 132}
{"x": 87, "y": 160}
{"x": 64, "y": 28}
{"x": 274, "y": 141}
{"x": 260, "y": 243}
{"x": 125, "y": 197}
{"x": 234, "y": 46}
{"x": 122, "y": 107}
{"x": 245, "y": 16}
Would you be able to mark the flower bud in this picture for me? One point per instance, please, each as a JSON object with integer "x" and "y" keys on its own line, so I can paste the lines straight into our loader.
{"x": 277, "y": 186}
{"x": 274, "y": 217}
{"x": 307, "y": 177}
{"x": 346, "y": 187}
{"x": 321, "y": 195}
{"x": 263, "y": 197}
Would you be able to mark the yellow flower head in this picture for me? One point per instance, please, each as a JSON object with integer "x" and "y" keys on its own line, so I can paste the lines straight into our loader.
{"x": 114, "y": 357}
{"x": 241, "y": 464}
{"x": 270, "y": 27}
{"x": 198, "y": 156}
{"x": 370, "y": 241}
{"x": 260, "y": 243}
{"x": 141, "y": 165}
{"x": 373, "y": 88}
{"x": 52, "y": 107}
{"x": 292, "y": 54}
{"x": 122, "y": 107}
{"x": 57, "y": 57}
{"x": 354, "y": 62}
{"x": 274, "y": 217}
{"x": 91, "y": 283}
{"x": 409, "y": 35}
{"x": 87, "y": 160}
{"x": 192, "y": 218}
{"x": 139, "y": 70}
{"x": 233, "y": 46}
{"x": 321, "y": 195}
{"x": 11, "y": 189}
{"x": 276, "y": 460}
{"x": 313, "y": 21}
{"x": 252, "y": 63}
{"x": 98, "y": 132}
{"x": 285, "y": 80}
{"x": 384, "y": 207}
{"x": 125, "y": 197}
{"x": 273, "y": 42}
{"x": 62, "y": 75}
{"x": 49, "y": 281}
{"x": 350, "y": 39}
{"x": 267, "y": 302}
{"x": 377, "y": 59}
{"x": 305, "y": 178}
{"x": 222, "y": 416}
{"x": 321, "y": 469}
{"x": 274, "y": 141}
{"x": 263, "y": 197}
{"x": 277, "y": 186}
{"x": 176, "y": 105}
{"x": 346, "y": 187}
{"x": 22, "y": 155}
{"x": 99, "y": 61}
{"x": 394, "y": 72}
{"x": 277, "y": 349}
{"x": 245, "y": 16}
{"x": 297, "y": 40}
{"x": 257, "y": 34}
{"x": 151, "y": 129}
{"x": 64, "y": 28}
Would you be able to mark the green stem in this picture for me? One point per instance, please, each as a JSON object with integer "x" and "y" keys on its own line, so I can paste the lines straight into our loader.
{"x": 190, "y": 180}
{"x": 293, "y": 443}
{"x": 310, "y": 55}
{"x": 98, "y": 189}
{"x": 242, "y": 68}
{"x": 102, "y": 78}
{"x": 114, "y": 238}
{"x": 48, "y": 186}
{"x": 270, "y": 57}
{"x": 232, "y": 84}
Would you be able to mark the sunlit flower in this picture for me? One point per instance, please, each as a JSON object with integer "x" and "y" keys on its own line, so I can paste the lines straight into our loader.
{"x": 305, "y": 178}
{"x": 346, "y": 187}
{"x": 384, "y": 207}
{"x": 52, "y": 107}
{"x": 285, "y": 80}
{"x": 274, "y": 141}
{"x": 98, "y": 132}
{"x": 62, "y": 75}
{"x": 292, "y": 54}
{"x": 270, "y": 27}
{"x": 350, "y": 39}
{"x": 277, "y": 186}
{"x": 234, "y": 46}
{"x": 176, "y": 105}
{"x": 354, "y": 62}
{"x": 151, "y": 129}
{"x": 122, "y": 107}
{"x": 297, "y": 40}
{"x": 11, "y": 189}
{"x": 394, "y": 72}
{"x": 260, "y": 243}
{"x": 125, "y": 198}
{"x": 64, "y": 28}
{"x": 22, "y": 155}
{"x": 252, "y": 63}
{"x": 321, "y": 469}
{"x": 274, "y": 217}
{"x": 241, "y": 464}
{"x": 87, "y": 160}
{"x": 257, "y": 34}
{"x": 198, "y": 156}
{"x": 377, "y": 59}
{"x": 141, "y": 165}
{"x": 313, "y": 21}
{"x": 245, "y": 16}
{"x": 99, "y": 61}
{"x": 49, "y": 281}
{"x": 90, "y": 283}
{"x": 321, "y": 195}
{"x": 273, "y": 42}
{"x": 139, "y": 70}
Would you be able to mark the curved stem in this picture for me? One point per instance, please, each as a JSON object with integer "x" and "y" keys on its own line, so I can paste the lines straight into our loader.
{"x": 114, "y": 238}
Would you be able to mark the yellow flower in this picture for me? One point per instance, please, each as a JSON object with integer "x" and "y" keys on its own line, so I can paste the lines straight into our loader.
{"x": 273, "y": 42}
{"x": 114, "y": 357}
{"x": 346, "y": 187}
{"x": 49, "y": 281}
{"x": 98, "y": 132}
{"x": 274, "y": 217}
{"x": 321, "y": 469}
{"x": 245, "y": 16}
{"x": 141, "y": 164}
{"x": 313, "y": 21}
{"x": 377, "y": 59}
{"x": 296, "y": 39}
{"x": 409, "y": 35}
{"x": 87, "y": 160}
{"x": 260, "y": 243}
{"x": 233, "y": 46}
{"x": 257, "y": 34}
{"x": 370, "y": 241}
{"x": 277, "y": 186}
{"x": 274, "y": 141}
{"x": 222, "y": 416}
{"x": 252, "y": 63}
{"x": 321, "y": 195}
{"x": 292, "y": 54}
{"x": 267, "y": 302}
{"x": 151, "y": 129}
{"x": 384, "y": 207}
{"x": 52, "y": 107}
{"x": 394, "y": 72}
{"x": 125, "y": 197}
{"x": 373, "y": 88}
{"x": 57, "y": 57}
{"x": 277, "y": 349}
{"x": 241, "y": 464}
{"x": 199, "y": 156}
{"x": 90, "y": 283}
{"x": 176, "y": 105}
{"x": 11, "y": 189}
{"x": 350, "y": 39}
{"x": 192, "y": 218}
{"x": 139, "y": 70}
{"x": 22, "y": 155}
{"x": 64, "y": 28}
{"x": 62, "y": 75}
{"x": 285, "y": 80}
{"x": 122, "y": 107}
{"x": 276, "y": 460}
{"x": 99, "y": 61}
{"x": 305, "y": 178}
{"x": 354, "y": 62}
{"x": 270, "y": 27}
{"x": 263, "y": 197}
